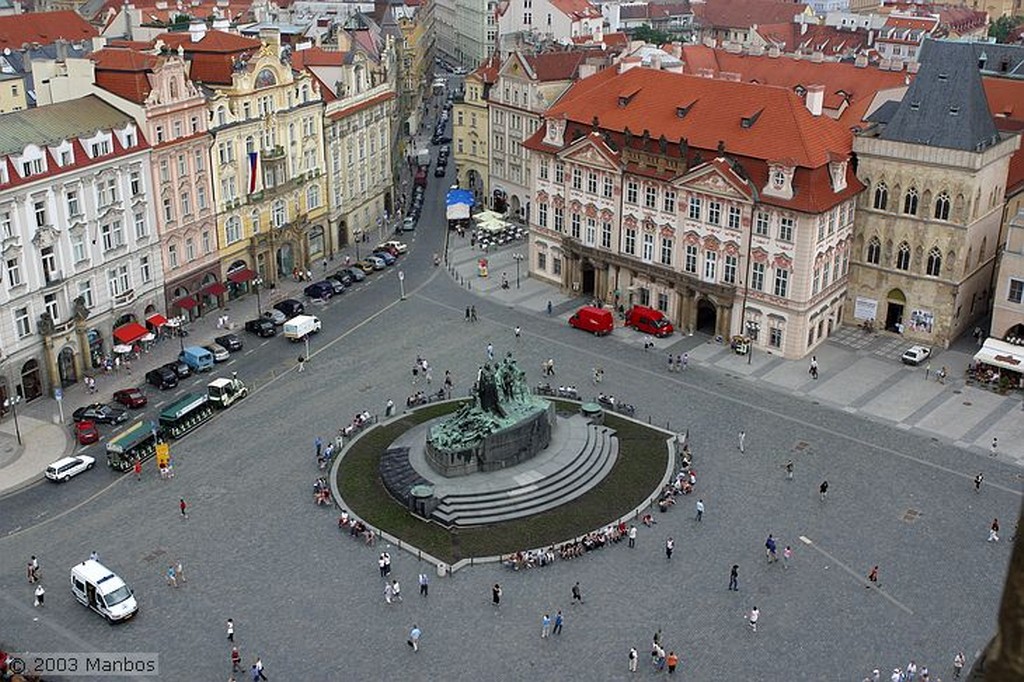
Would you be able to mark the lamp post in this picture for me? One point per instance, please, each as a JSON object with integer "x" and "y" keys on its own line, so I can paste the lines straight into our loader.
{"x": 258, "y": 284}
{"x": 753, "y": 328}
{"x": 181, "y": 332}
{"x": 401, "y": 284}
{"x": 518, "y": 257}
{"x": 12, "y": 403}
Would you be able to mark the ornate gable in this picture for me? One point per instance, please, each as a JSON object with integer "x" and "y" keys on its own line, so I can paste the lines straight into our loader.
{"x": 710, "y": 179}
{"x": 591, "y": 151}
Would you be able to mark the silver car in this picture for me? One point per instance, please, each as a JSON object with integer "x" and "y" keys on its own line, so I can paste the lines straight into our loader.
{"x": 220, "y": 354}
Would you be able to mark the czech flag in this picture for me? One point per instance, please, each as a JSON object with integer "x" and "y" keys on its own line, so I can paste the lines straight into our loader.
{"x": 253, "y": 163}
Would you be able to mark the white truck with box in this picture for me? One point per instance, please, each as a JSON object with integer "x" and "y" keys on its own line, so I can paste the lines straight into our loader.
{"x": 301, "y": 326}
{"x": 103, "y": 591}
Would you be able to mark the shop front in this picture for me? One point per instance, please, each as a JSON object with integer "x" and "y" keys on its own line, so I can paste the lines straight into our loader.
{"x": 999, "y": 365}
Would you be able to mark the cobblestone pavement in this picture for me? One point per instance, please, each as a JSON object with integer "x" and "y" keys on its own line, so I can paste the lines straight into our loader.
{"x": 311, "y": 603}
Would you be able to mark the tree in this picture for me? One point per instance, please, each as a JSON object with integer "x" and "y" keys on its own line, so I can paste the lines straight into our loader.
{"x": 1001, "y": 27}
{"x": 649, "y": 35}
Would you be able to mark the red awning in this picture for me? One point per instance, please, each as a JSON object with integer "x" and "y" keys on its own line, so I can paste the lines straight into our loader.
{"x": 157, "y": 320}
{"x": 214, "y": 289}
{"x": 240, "y": 276}
{"x": 130, "y": 333}
{"x": 188, "y": 303}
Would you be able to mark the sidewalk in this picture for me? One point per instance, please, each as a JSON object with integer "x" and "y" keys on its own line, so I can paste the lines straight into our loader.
{"x": 46, "y": 439}
{"x": 859, "y": 373}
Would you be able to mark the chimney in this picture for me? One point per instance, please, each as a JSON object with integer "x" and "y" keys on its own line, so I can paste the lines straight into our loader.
{"x": 912, "y": 67}
{"x": 61, "y": 47}
{"x": 817, "y": 57}
{"x": 221, "y": 24}
{"x": 197, "y": 31}
{"x": 861, "y": 61}
{"x": 705, "y": 72}
{"x": 656, "y": 62}
{"x": 815, "y": 99}
{"x": 729, "y": 76}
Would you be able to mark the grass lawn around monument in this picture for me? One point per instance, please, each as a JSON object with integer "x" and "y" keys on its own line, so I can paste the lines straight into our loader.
{"x": 641, "y": 463}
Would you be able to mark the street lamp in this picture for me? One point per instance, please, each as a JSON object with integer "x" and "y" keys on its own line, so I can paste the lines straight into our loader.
{"x": 12, "y": 403}
{"x": 518, "y": 257}
{"x": 401, "y": 284}
{"x": 257, "y": 283}
{"x": 753, "y": 328}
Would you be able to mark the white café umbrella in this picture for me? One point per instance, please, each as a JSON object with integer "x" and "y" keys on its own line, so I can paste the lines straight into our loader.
{"x": 122, "y": 348}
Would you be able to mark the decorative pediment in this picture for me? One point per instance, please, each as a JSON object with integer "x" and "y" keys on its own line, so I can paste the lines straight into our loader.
{"x": 590, "y": 210}
{"x": 649, "y": 225}
{"x": 591, "y": 150}
{"x": 630, "y": 220}
{"x": 606, "y": 215}
{"x": 542, "y": 197}
{"x": 759, "y": 255}
{"x": 45, "y": 236}
{"x": 11, "y": 247}
{"x": 731, "y": 248}
{"x": 558, "y": 201}
{"x": 711, "y": 243}
{"x": 691, "y": 238}
{"x": 783, "y": 261}
{"x": 575, "y": 206}
{"x": 667, "y": 231}
{"x": 712, "y": 178}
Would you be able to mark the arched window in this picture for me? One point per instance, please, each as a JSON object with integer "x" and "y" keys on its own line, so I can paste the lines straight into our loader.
{"x": 903, "y": 256}
{"x": 910, "y": 202}
{"x": 174, "y": 89}
{"x": 312, "y": 197}
{"x": 942, "y": 207}
{"x": 250, "y": 145}
{"x": 279, "y": 214}
{"x": 874, "y": 254}
{"x": 222, "y": 116}
{"x": 254, "y": 221}
{"x": 934, "y": 262}
{"x": 881, "y": 196}
{"x": 233, "y": 228}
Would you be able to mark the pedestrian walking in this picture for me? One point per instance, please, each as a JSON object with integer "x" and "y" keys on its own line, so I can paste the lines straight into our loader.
{"x": 519, "y": 333}
{"x": 490, "y": 351}
{"x": 424, "y": 584}
{"x": 180, "y": 570}
{"x": 823, "y": 490}
{"x": 813, "y": 369}
{"x": 700, "y": 509}
{"x": 686, "y": 360}
{"x": 172, "y": 576}
{"x": 993, "y": 531}
{"x": 302, "y": 363}
{"x": 545, "y": 626}
{"x": 467, "y": 313}
{"x": 549, "y": 307}
{"x": 94, "y": 555}
{"x": 671, "y": 363}
{"x": 559, "y": 620}
{"x": 231, "y": 630}
{"x": 184, "y": 508}
{"x": 743, "y": 441}
{"x": 753, "y": 617}
{"x": 994, "y": 448}
{"x": 958, "y": 664}
{"x": 873, "y": 577}
{"x": 389, "y": 593}
{"x": 977, "y": 482}
{"x": 734, "y": 578}
{"x": 319, "y": 445}
{"x": 258, "y": 669}
{"x": 787, "y": 554}
{"x": 634, "y": 658}
{"x": 788, "y": 466}
{"x": 670, "y": 545}
{"x": 496, "y": 595}
{"x": 137, "y": 467}
{"x": 396, "y": 590}
{"x": 472, "y": 313}
{"x": 658, "y": 657}
{"x": 577, "y": 596}
{"x": 40, "y": 595}
{"x": 770, "y": 549}
{"x": 236, "y": 660}
{"x": 632, "y": 537}
{"x": 30, "y": 573}
{"x": 414, "y": 637}
{"x": 672, "y": 661}
{"x": 381, "y": 565}
{"x": 911, "y": 672}
{"x": 33, "y": 569}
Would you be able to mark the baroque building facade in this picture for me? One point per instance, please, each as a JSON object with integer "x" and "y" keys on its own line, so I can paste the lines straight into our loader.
{"x": 728, "y": 206}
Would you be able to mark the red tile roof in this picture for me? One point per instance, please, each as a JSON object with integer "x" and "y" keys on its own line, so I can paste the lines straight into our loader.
{"x": 576, "y": 9}
{"x": 43, "y": 28}
{"x": 365, "y": 104}
{"x": 808, "y": 38}
{"x": 745, "y": 13}
{"x": 927, "y": 24}
{"x": 1006, "y": 102}
{"x": 124, "y": 72}
{"x": 783, "y": 130}
{"x": 317, "y": 56}
{"x": 212, "y": 57}
{"x": 556, "y": 66}
{"x": 855, "y": 85}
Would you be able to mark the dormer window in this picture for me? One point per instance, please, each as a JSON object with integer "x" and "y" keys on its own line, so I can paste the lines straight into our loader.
{"x": 67, "y": 157}
{"x": 32, "y": 167}
{"x": 780, "y": 181}
{"x": 129, "y": 139}
{"x": 100, "y": 148}
{"x": 555, "y": 132}
{"x": 837, "y": 172}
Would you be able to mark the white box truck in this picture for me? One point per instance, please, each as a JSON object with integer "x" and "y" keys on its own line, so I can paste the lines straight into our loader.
{"x": 224, "y": 392}
{"x": 301, "y": 326}
{"x": 99, "y": 588}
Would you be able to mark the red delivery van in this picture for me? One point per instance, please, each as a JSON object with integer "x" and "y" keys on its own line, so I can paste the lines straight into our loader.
{"x": 648, "y": 321}
{"x": 597, "y": 321}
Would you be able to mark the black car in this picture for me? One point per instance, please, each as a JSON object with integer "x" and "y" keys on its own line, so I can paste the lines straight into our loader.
{"x": 322, "y": 290}
{"x": 101, "y": 414}
{"x": 162, "y": 377}
{"x": 342, "y": 277}
{"x": 290, "y": 307}
{"x": 440, "y": 171}
{"x": 261, "y": 326}
{"x": 230, "y": 342}
{"x": 180, "y": 368}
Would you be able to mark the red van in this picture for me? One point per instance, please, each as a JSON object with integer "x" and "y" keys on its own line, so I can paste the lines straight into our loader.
{"x": 421, "y": 176}
{"x": 597, "y": 321}
{"x": 648, "y": 321}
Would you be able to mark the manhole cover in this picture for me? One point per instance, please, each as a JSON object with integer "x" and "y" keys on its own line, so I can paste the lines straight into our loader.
{"x": 801, "y": 445}
{"x": 911, "y": 515}
{"x": 155, "y": 554}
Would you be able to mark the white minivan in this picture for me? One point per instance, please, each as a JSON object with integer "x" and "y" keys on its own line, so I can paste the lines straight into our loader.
{"x": 99, "y": 588}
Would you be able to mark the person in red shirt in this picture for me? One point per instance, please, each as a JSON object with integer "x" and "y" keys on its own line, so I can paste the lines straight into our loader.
{"x": 672, "y": 661}
{"x": 138, "y": 469}
{"x": 236, "y": 660}
{"x": 183, "y": 507}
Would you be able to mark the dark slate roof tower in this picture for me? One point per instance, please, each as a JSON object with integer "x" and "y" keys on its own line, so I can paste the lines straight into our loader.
{"x": 946, "y": 105}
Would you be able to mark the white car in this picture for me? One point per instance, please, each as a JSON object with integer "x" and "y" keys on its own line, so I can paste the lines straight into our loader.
{"x": 65, "y": 468}
{"x": 915, "y": 355}
{"x": 220, "y": 354}
{"x": 400, "y": 247}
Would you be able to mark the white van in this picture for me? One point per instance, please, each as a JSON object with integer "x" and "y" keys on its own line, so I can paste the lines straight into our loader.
{"x": 300, "y": 326}
{"x": 99, "y": 588}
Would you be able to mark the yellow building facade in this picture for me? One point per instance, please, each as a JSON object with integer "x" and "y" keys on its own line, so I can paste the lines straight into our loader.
{"x": 470, "y": 134}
